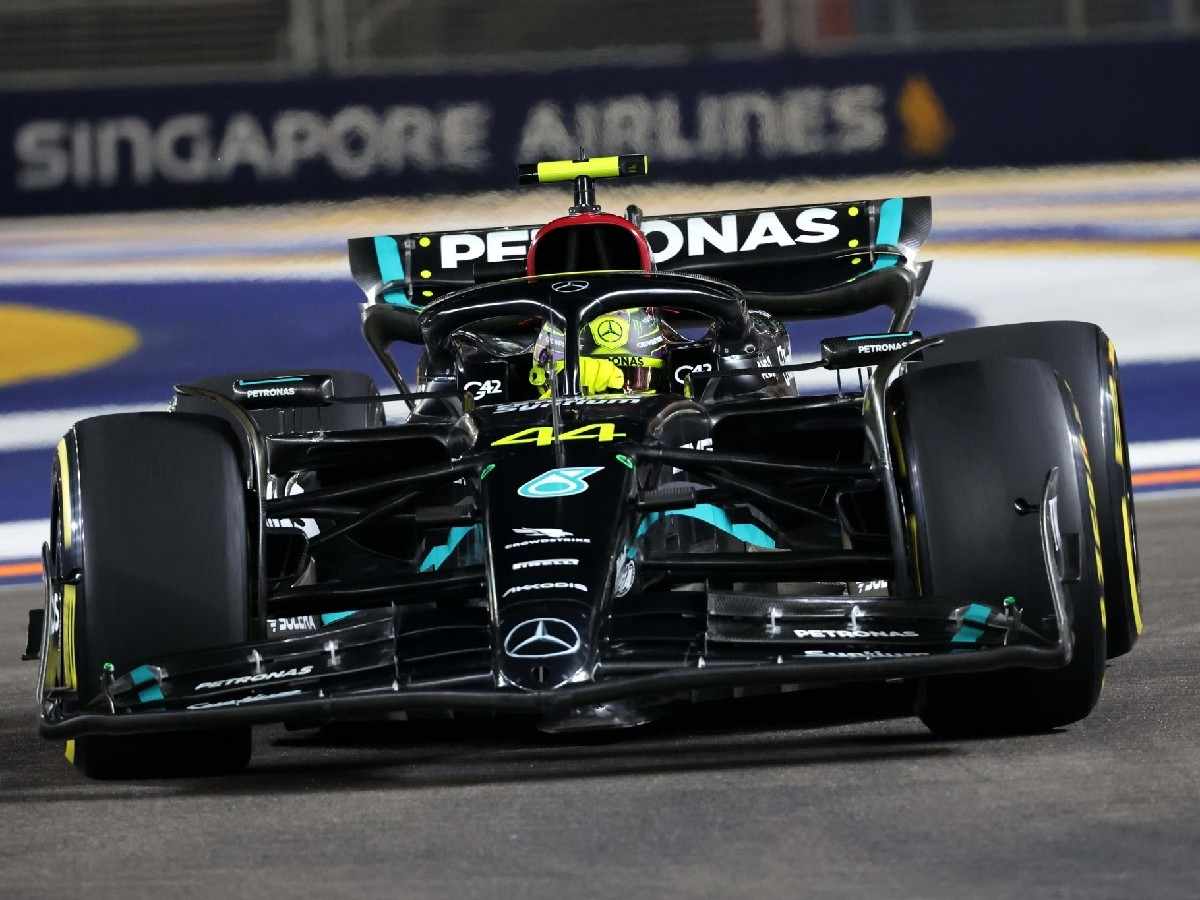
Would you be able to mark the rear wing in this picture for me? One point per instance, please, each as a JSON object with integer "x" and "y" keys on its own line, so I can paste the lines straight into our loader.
{"x": 781, "y": 257}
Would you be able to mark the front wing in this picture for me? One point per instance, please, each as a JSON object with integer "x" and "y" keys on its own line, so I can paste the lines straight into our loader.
{"x": 353, "y": 672}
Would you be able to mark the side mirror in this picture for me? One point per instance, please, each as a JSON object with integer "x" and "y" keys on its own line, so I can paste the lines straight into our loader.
{"x": 859, "y": 351}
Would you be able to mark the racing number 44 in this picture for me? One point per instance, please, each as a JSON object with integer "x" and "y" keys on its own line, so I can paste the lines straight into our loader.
{"x": 543, "y": 435}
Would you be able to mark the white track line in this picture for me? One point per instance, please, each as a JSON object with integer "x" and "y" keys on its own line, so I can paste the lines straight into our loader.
{"x": 23, "y": 540}
{"x": 42, "y": 428}
{"x": 1164, "y": 454}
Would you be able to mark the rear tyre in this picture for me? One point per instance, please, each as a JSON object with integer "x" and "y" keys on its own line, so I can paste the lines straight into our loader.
{"x": 150, "y": 526}
{"x": 975, "y": 438}
{"x": 1086, "y": 358}
{"x": 298, "y": 419}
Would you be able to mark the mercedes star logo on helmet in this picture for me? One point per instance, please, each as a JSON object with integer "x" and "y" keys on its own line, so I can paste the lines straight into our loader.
{"x": 569, "y": 287}
{"x": 542, "y": 639}
{"x": 610, "y": 329}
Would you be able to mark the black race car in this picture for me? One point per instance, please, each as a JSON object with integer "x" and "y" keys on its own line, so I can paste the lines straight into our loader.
{"x": 608, "y": 497}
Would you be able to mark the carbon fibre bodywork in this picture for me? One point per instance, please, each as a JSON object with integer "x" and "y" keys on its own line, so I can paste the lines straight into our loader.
{"x": 586, "y": 559}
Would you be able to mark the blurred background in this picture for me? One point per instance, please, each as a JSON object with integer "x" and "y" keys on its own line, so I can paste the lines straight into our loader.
{"x": 178, "y": 177}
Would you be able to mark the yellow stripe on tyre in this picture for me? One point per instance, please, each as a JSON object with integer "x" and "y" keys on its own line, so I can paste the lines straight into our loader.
{"x": 1126, "y": 515}
{"x": 68, "y": 612}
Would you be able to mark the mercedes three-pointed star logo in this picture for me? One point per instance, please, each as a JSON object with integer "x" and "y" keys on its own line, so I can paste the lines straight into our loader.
{"x": 610, "y": 329}
{"x": 541, "y": 639}
{"x": 569, "y": 287}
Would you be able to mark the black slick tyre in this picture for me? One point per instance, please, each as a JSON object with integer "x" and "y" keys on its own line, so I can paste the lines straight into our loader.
{"x": 977, "y": 441}
{"x": 1085, "y": 356}
{"x": 150, "y": 526}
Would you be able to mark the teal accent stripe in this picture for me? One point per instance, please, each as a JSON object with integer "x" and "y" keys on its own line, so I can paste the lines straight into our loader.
{"x": 716, "y": 517}
{"x": 150, "y": 694}
{"x": 974, "y": 620}
{"x": 890, "y": 213}
{"x": 281, "y": 380}
{"x": 873, "y": 337}
{"x": 326, "y": 618}
{"x": 966, "y": 635}
{"x": 391, "y": 268}
{"x": 141, "y": 675}
{"x": 977, "y": 614}
{"x": 439, "y": 554}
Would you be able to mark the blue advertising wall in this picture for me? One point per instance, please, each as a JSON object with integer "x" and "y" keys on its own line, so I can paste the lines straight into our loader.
{"x": 75, "y": 151}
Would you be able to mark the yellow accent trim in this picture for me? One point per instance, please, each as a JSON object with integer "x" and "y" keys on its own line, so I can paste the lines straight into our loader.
{"x": 425, "y": 273}
{"x": 1116, "y": 423}
{"x": 69, "y": 636}
{"x": 853, "y": 243}
{"x": 69, "y": 752}
{"x": 569, "y": 169}
{"x": 424, "y": 242}
{"x": 856, "y": 261}
{"x": 64, "y": 474}
{"x": 1133, "y": 588}
{"x": 853, "y": 211}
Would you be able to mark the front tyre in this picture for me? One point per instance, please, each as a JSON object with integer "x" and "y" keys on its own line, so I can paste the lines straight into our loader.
{"x": 149, "y": 549}
{"x": 977, "y": 440}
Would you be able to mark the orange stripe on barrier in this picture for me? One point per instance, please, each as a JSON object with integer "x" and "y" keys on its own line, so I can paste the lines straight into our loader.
{"x": 1170, "y": 476}
{"x": 9, "y": 570}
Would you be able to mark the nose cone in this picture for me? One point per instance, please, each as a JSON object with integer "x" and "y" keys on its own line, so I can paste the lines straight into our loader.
{"x": 545, "y": 643}
{"x": 554, "y": 531}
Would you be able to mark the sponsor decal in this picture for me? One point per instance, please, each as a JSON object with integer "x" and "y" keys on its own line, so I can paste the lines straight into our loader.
{"x": 538, "y": 536}
{"x": 681, "y": 373}
{"x": 543, "y": 532}
{"x": 877, "y": 585}
{"x": 764, "y": 362}
{"x": 569, "y": 287}
{"x": 254, "y": 393}
{"x": 546, "y": 586}
{"x": 530, "y": 405}
{"x": 536, "y": 563}
{"x": 554, "y": 483}
{"x": 197, "y": 147}
{"x": 543, "y": 435}
{"x": 542, "y": 639}
{"x": 295, "y": 623}
{"x": 633, "y": 362}
{"x": 481, "y": 389}
{"x": 240, "y": 701}
{"x": 885, "y": 347}
{"x": 690, "y": 236}
{"x": 626, "y": 570}
{"x": 849, "y": 634}
{"x": 239, "y": 681}
{"x": 537, "y": 541}
{"x": 859, "y": 654}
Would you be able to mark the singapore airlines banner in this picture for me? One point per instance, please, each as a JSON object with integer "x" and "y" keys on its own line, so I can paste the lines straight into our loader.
{"x": 222, "y": 144}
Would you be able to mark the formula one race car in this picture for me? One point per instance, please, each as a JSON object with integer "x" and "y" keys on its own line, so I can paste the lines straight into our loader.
{"x": 608, "y": 497}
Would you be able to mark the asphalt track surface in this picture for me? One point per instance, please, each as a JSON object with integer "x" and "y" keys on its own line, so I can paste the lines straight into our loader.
{"x": 836, "y": 796}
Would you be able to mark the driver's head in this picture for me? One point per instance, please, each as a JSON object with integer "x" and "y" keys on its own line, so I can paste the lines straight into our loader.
{"x": 618, "y": 351}
{"x": 630, "y": 339}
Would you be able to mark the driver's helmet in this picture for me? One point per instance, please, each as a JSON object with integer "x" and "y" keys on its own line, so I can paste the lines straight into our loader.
{"x": 618, "y": 351}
